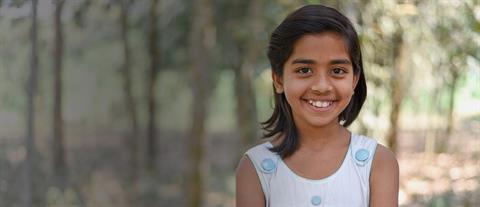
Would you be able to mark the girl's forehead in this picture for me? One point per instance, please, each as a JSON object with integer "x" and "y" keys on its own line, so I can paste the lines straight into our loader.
{"x": 324, "y": 45}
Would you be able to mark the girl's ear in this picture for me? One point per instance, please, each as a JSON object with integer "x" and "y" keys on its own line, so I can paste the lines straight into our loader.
{"x": 277, "y": 83}
{"x": 355, "y": 81}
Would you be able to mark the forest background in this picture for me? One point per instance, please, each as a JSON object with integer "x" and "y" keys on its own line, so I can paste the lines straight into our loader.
{"x": 152, "y": 102}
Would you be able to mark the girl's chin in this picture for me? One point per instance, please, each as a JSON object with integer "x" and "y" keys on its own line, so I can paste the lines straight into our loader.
{"x": 324, "y": 122}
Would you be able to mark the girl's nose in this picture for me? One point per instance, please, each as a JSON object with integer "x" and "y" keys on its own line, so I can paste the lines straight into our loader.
{"x": 321, "y": 85}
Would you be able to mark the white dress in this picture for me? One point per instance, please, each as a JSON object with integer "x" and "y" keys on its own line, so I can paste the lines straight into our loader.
{"x": 347, "y": 187}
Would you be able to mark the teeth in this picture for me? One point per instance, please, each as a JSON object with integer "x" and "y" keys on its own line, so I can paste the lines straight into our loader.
{"x": 319, "y": 104}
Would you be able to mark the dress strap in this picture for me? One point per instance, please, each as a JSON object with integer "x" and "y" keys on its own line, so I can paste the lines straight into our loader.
{"x": 265, "y": 163}
{"x": 362, "y": 153}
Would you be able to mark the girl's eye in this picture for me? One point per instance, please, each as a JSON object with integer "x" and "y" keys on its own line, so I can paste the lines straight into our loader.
{"x": 338, "y": 71}
{"x": 304, "y": 70}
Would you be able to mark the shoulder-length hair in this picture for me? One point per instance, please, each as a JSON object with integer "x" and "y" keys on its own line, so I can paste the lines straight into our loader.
{"x": 310, "y": 19}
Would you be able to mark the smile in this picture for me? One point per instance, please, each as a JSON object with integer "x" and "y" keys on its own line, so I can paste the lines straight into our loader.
{"x": 320, "y": 104}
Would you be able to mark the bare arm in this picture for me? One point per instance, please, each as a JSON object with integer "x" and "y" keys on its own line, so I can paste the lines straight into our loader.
{"x": 384, "y": 179}
{"x": 248, "y": 188}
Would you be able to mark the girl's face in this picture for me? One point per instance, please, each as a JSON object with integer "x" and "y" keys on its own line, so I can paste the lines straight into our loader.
{"x": 318, "y": 79}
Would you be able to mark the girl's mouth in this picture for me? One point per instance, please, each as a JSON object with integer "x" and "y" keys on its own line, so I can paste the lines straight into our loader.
{"x": 320, "y": 104}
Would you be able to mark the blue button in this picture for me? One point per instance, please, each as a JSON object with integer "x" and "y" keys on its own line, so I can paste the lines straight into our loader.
{"x": 362, "y": 155}
{"x": 316, "y": 200}
{"x": 268, "y": 165}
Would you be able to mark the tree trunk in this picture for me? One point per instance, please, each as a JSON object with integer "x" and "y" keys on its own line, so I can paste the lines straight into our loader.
{"x": 151, "y": 82}
{"x": 31, "y": 92}
{"x": 245, "y": 95}
{"x": 451, "y": 102}
{"x": 59, "y": 165}
{"x": 201, "y": 44}
{"x": 131, "y": 139}
{"x": 397, "y": 88}
{"x": 443, "y": 143}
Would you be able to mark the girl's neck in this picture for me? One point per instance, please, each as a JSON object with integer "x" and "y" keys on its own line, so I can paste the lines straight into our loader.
{"x": 318, "y": 138}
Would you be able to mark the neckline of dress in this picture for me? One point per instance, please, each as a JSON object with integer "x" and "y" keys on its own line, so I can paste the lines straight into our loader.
{"x": 318, "y": 181}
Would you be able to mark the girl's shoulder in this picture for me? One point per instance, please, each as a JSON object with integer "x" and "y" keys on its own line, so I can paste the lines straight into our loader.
{"x": 384, "y": 161}
{"x": 384, "y": 179}
{"x": 256, "y": 164}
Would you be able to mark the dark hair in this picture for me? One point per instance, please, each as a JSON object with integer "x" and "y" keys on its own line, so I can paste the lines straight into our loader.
{"x": 310, "y": 19}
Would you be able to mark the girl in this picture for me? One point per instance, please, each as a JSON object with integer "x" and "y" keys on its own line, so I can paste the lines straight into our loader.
{"x": 312, "y": 159}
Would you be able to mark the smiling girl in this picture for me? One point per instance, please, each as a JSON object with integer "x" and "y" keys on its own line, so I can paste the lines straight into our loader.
{"x": 312, "y": 158}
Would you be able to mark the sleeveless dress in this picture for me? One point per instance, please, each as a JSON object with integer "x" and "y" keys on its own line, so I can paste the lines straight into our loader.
{"x": 346, "y": 187}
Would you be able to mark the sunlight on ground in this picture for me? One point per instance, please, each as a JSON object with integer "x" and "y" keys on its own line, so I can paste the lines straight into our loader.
{"x": 423, "y": 177}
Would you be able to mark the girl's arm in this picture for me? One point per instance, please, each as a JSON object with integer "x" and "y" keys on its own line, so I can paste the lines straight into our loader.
{"x": 249, "y": 190}
{"x": 384, "y": 179}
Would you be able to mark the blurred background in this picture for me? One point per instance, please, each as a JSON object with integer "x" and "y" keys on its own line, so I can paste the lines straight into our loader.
{"x": 153, "y": 102}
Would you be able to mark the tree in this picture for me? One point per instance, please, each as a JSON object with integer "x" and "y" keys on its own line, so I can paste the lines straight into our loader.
{"x": 151, "y": 82}
{"x": 244, "y": 92}
{"x": 59, "y": 163}
{"x": 31, "y": 92}
{"x": 386, "y": 59}
{"x": 454, "y": 33}
{"x": 202, "y": 42}
{"x": 397, "y": 86}
{"x": 131, "y": 139}
{"x": 240, "y": 40}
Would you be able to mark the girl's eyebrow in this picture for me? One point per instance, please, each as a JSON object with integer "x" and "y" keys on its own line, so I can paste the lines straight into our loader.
{"x": 310, "y": 61}
{"x": 339, "y": 61}
{"x": 303, "y": 61}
